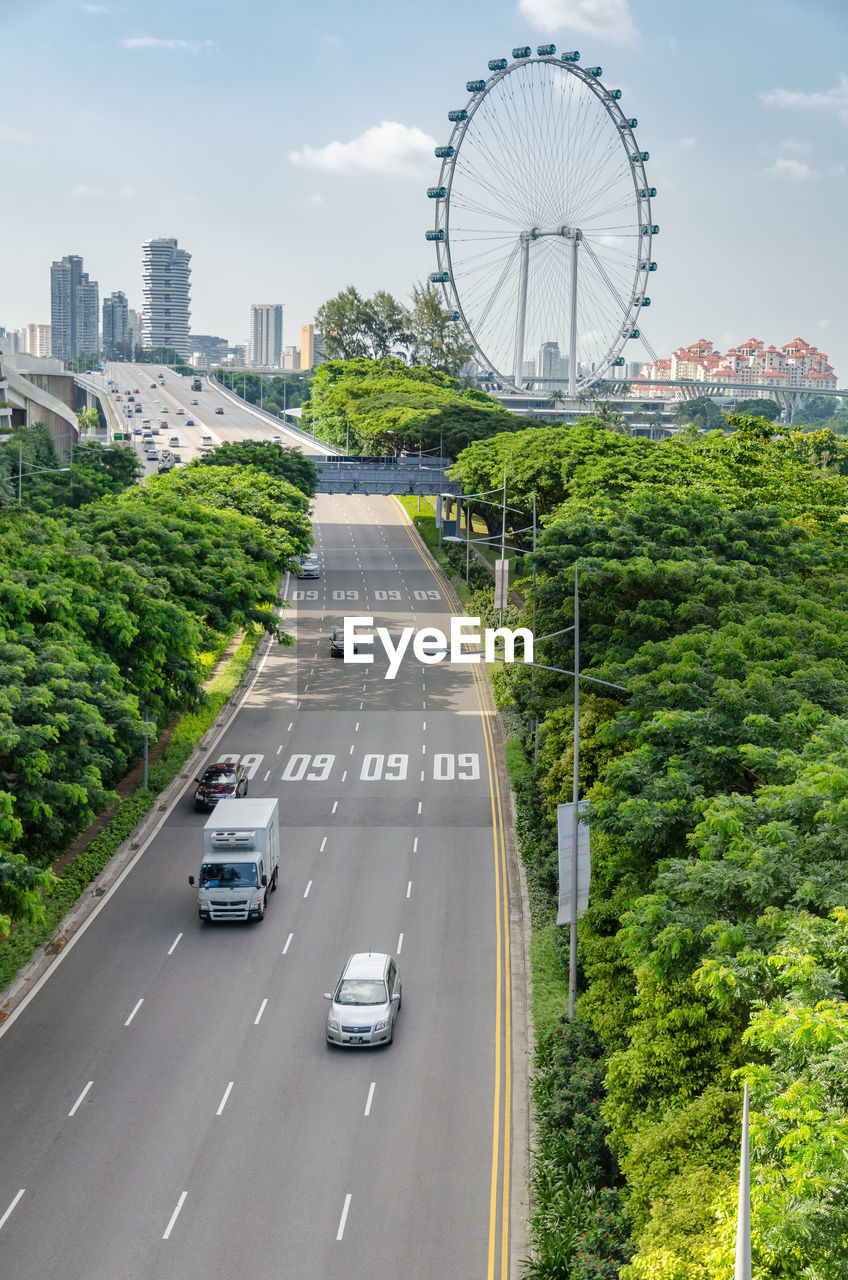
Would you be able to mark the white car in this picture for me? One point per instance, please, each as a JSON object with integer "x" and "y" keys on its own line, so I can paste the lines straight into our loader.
{"x": 366, "y": 1001}
{"x": 179, "y": 410}
{"x": 175, "y": 440}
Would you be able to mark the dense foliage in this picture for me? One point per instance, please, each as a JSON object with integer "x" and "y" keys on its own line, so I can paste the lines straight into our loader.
{"x": 31, "y": 468}
{"x": 105, "y": 611}
{"x": 281, "y": 463}
{"x": 712, "y": 577}
{"x": 801, "y": 473}
{"x": 385, "y": 406}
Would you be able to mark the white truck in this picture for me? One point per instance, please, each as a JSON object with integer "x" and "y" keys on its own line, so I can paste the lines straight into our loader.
{"x": 241, "y": 856}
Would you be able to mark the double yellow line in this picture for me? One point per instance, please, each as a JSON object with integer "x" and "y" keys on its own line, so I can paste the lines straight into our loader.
{"x": 501, "y": 1117}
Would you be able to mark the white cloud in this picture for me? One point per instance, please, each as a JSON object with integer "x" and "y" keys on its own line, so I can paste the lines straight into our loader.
{"x": 824, "y": 323}
{"x": 796, "y": 145}
{"x": 609, "y": 19}
{"x": 315, "y": 200}
{"x": 387, "y": 147}
{"x": 95, "y": 8}
{"x": 835, "y": 99}
{"x": 82, "y": 192}
{"x": 686, "y": 144}
{"x": 156, "y": 42}
{"x": 797, "y": 170}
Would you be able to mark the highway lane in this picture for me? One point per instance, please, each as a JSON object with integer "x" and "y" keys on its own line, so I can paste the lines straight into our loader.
{"x": 174, "y": 393}
{"x": 205, "y": 1091}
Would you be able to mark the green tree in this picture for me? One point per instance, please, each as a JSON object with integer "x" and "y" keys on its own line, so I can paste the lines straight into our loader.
{"x": 354, "y": 327}
{"x": 275, "y": 460}
{"x": 437, "y": 340}
{"x": 386, "y": 406}
{"x": 701, "y": 412}
{"x": 769, "y": 409}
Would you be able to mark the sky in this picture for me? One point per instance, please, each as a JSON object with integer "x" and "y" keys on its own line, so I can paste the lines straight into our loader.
{"x": 288, "y": 147}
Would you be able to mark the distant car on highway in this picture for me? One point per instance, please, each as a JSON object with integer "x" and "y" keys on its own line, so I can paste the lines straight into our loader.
{"x": 195, "y": 402}
{"x": 180, "y": 409}
{"x": 178, "y": 457}
{"x": 152, "y": 455}
{"x": 219, "y": 409}
{"x": 366, "y": 1001}
{"x": 308, "y": 567}
{"x": 189, "y": 422}
{"x": 337, "y": 645}
{"x": 163, "y": 408}
{"x": 135, "y": 391}
{"x": 174, "y": 440}
{"x": 220, "y": 782}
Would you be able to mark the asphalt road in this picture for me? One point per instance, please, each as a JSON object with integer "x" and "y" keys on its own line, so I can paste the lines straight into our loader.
{"x": 170, "y": 1107}
{"x": 163, "y": 404}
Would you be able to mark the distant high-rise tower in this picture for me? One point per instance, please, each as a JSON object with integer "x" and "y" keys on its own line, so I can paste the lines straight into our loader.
{"x": 115, "y": 323}
{"x": 74, "y": 310}
{"x": 165, "y": 285}
{"x": 307, "y": 346}
{"x": 133, "y": 329}
{"x": 38, "y": 339}
{"x": 266, "y": 335}
{"x": 551, "y": 367}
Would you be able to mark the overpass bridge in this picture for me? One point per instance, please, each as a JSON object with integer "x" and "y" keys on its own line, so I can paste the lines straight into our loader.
{"x": 344, "y": 473}
{"x": 559, "y": 407}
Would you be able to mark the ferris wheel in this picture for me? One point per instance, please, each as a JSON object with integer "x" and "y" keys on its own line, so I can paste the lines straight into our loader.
{"x": 543, "y": 223}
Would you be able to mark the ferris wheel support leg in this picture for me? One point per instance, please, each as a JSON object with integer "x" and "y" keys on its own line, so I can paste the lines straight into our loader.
{"x": 572, "y": 345}
{"x": 524, "y": 264}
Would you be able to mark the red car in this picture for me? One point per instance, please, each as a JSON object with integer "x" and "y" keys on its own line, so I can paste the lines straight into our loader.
{"x": 220, "y": 782}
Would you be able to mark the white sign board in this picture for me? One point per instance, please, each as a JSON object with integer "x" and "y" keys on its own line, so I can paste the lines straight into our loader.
{"x": 501, "y": 584}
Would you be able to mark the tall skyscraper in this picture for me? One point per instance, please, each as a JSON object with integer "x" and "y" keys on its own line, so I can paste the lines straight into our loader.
{"x": 74, "y": 310}
{"x": 165, "y": 285}
{"x": 115, "y": 323}
{"x": 266, "y": 335}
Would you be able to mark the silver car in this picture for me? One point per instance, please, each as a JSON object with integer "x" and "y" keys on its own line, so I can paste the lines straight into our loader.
{"x": 308, "y": 567}
{"x": 366, "y": 1001}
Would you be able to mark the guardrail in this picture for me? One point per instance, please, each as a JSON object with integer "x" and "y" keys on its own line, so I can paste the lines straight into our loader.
{"x": 271, "y": 418}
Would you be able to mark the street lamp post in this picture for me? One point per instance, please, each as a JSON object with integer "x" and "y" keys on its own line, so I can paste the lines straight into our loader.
{"x": 33, "y": 471}
{"x": 572, "y": 927}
